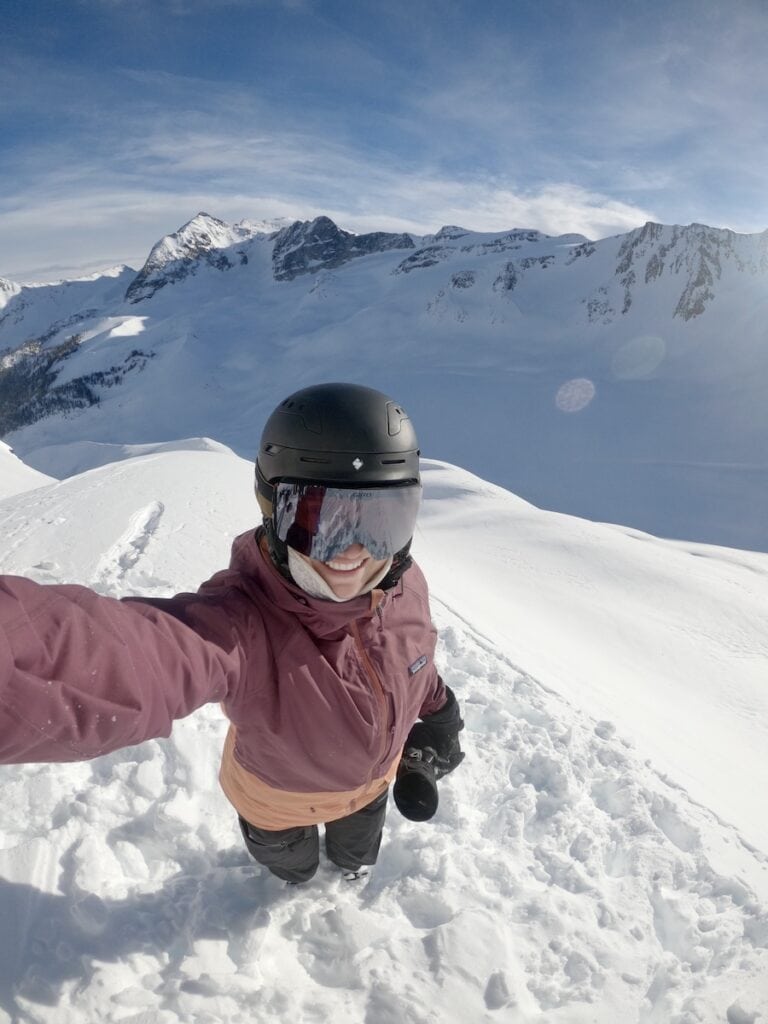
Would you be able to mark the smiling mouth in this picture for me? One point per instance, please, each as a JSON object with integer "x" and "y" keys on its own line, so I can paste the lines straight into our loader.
{"x": 345, "y": 566}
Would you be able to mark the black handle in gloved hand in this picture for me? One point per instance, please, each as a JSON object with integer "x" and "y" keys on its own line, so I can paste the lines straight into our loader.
{"x": 415, "y": 789}
{"x": 431, "y": 751}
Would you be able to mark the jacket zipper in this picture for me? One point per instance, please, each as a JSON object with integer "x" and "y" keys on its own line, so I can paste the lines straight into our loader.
{"x": 381, "y": 696}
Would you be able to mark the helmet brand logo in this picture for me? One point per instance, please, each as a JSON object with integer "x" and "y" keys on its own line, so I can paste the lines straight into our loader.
{"x": 358, "y": 463}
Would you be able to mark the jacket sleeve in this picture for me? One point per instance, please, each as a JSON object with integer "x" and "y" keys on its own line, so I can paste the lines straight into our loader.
{"x": 436, "y": 697}
{"x": 82, "y": 675}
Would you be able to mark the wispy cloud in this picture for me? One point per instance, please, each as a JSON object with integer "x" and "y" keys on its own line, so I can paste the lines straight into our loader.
{"x": 563, "y": 117}
{"x": 115, "y": 205}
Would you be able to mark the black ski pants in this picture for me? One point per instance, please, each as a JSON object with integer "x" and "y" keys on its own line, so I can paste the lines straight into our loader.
{"x": 293, "y": 854}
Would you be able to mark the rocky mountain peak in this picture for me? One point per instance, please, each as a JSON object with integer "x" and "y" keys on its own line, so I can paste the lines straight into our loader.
{"x": 698, "y": 255}
{"x": 199, "y": 235}
{"x": 449, "y": 232}
{"x": 308, "y": 246}
{"x": 201, "y": 240}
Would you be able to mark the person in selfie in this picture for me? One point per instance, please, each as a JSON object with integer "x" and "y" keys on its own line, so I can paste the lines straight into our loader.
{"x": 317, "y": 641}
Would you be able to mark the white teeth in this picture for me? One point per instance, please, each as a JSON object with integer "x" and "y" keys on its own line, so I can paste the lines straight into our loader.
{"x": 345, "y": 566}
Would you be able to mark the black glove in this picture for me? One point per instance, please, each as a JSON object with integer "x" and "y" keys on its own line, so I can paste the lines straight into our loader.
{"x": 415, "y": 789}
{"x": 431, "y": 751}
{"x": 439, "y": 732}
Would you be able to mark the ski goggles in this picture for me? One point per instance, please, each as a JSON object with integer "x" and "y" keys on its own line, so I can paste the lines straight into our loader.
{"x": 321, "y": 522}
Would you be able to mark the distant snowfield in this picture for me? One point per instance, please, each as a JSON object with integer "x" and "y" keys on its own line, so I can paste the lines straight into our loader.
{"x": 601, "y": 855}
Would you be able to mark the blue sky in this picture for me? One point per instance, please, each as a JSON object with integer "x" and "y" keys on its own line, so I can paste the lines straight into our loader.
{"x": 121, "y": 119}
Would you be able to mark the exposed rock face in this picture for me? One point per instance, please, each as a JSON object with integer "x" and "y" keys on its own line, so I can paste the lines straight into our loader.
{"x": 429, "y": 256}
{"x": 697, "y": 253}
{"x": 511, "y": 241}
{"x": 507, "y": 279}
{"x": 436, "y": 251}
{"x": 463, "y": 279}
{"x": 203, "y": 240}
{"x": 514, "y": 271}
{"x": 308, "y": 246}
{"x": 450, "y": 232}
{"x": 581, "y": 251}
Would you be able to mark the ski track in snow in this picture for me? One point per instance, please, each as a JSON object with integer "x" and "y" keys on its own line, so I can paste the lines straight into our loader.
{"x": 115, "y": 564}
{"x": 562, "y": 881}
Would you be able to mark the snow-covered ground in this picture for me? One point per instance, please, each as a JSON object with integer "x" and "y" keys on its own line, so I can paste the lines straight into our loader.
{"x": 15, "y": 476}
{"x": 599, "y": 857}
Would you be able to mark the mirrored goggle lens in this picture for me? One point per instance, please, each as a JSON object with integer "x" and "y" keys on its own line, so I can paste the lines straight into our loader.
{"x": 321, "y": 522}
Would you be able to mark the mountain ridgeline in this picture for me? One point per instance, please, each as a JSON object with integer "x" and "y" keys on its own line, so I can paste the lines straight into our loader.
{"x": 551, "y": 364}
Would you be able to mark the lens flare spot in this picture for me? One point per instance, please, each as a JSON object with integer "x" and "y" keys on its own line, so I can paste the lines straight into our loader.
{"x": 575, "y": 395}
{"x": 639, "y": 358}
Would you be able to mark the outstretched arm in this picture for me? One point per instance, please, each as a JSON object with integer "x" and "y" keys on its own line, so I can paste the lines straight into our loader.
{"x": 82, "y": 675}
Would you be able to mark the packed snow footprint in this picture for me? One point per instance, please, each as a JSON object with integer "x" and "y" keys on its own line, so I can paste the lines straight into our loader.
{"x": 562, "y": 880}
{"x": 583, "y": 816}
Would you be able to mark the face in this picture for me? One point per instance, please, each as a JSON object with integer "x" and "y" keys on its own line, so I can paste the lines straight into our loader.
{"x": 348, "y": 573}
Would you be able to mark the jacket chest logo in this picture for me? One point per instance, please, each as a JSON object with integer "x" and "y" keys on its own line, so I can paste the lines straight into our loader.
{"x": 418, "y": 665}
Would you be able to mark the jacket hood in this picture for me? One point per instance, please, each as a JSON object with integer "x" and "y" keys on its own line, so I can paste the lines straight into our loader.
{"x": 250, "y": 560}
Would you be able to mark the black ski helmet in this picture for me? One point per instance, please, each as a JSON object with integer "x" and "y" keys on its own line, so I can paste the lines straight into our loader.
{"x": 339, "y": 434}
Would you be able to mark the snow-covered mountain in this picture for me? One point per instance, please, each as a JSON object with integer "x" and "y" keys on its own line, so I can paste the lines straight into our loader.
{"x": 601, "y": 855}
{"x": 202, "y": 241}
{"x": 620, "y": 379}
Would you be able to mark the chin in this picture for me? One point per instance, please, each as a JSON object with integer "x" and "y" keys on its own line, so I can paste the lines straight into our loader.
{"x": 347, "y": 590}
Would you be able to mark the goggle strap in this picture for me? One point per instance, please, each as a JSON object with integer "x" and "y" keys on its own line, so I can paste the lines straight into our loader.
{"x": 263, "y": 486}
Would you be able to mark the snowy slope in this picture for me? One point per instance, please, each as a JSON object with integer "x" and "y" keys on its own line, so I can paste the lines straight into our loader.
{"x": 40, "y": 310}
{"x": 579, "y": 869}
{"x": 7, "y": 290}
{"x": 622, "y": 380}
{"x": 15, "y": 476}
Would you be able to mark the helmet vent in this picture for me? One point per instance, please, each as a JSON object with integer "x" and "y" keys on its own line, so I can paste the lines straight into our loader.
{"x": 306, "y": 458}
{"x": 393, "y": 462}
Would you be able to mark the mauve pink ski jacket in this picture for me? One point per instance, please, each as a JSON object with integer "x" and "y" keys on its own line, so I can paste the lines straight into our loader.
{"x": 320, "y": 695}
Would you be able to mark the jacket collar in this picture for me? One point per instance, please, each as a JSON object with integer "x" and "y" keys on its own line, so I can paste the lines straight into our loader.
{"x": 250, "y": 559}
